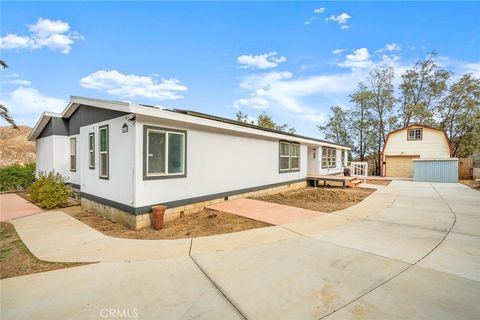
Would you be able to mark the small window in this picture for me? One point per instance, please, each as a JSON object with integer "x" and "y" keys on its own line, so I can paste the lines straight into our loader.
{"x": 73, "y": 154}
{"x": 103, "y": 152}
{"x": 164, "y": 153}
{"x": 329, "y": 157}
{"x": 343, "y": 152}
{"x": 91, "y": 150}
{"x": 415, "y": 134}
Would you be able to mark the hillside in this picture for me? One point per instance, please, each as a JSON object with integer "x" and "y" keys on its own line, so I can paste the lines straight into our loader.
{"x": 14, "y": 147}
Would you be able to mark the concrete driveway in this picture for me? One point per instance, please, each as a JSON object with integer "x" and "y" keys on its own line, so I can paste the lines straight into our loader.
{"x": 409, "y": 251}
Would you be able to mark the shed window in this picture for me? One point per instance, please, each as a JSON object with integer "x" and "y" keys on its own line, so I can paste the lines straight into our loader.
{"x": 164, "y": 153}
{"x": 415, "y": 134}
{"x": 329, "y": 157}
{"x": 289, "y": 156}
{"x": 103, "y": 152}
{"x": 73, "y": 154}
{"x": 91, "y": 150}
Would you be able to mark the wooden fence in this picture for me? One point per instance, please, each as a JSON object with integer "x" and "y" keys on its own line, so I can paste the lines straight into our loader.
{"x": 465, "y": 168}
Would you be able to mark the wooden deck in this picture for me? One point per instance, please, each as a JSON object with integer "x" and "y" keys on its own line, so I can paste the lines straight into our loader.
{"x": 316, "y": 178}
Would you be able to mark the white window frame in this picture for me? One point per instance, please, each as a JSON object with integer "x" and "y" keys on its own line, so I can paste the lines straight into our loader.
{"x": 289, "y": 156}
{"x": 284, "y": 156}
{"x": 100, "y": 152}
{"x": 331, "y": 157}
{"x": 73, "y": 153}
{"x": 414, "y": 136}
{"x": 147, "y": 174}
{"x": 91, "y": 150}
{"x": 292, "y": 156}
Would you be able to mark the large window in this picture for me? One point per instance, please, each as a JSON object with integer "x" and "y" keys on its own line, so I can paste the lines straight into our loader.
{"x": 103, "y": 151}
{"x": 73, "y": 154}
{"x": 329, "y": 157}
{"x": 415, "y": 134}
{"x": 91, "y": 150}
{"x": 289, "y": 156}
{"x": 164, "y": 153}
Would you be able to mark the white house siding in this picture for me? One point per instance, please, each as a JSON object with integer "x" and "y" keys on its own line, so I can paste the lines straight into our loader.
{"x": 120, "y": 183}
{"x": 217, "y": 162}
{"x": 52, "y": 154}
{"x": 432, "y": 145}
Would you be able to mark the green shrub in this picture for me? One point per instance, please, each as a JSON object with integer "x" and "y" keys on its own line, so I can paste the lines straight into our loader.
{"x": 17, "y": 176}
{"x": 50, "y": 190}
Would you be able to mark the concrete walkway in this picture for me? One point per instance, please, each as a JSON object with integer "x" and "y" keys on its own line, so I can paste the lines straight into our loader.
{"x": 265, "y": 211}
{"x": 12, "y": 206}
{"x": 408, "y": 251}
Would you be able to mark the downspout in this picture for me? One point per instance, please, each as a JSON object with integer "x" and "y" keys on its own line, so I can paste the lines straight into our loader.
{"x": 134, "y": 173}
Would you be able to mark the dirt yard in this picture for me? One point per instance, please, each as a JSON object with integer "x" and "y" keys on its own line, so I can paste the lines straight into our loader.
{"x": 380, "y": 182}
{"x": 204, "y": 223}
{"x": 475, "y": 184}
{"x": 320, "y": 199}
{"x": 16, "y": 259}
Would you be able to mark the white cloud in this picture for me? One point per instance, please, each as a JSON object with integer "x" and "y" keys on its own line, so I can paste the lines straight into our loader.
{"x": 338, "y": 51}
{"x": 359, "y": 59}
{"x": 315, "y": 17}
{"x": 54, "y": 35}
{"x": 21, "y": 82}
{"x": 131, "y": 86}
{"x": 12, "y": 41}
{"x": 45, "y": 27}
{"x": 26, "y": 104}
{"x": 281, "y": 90}
{"x": 25, "y": 100}
{"x": 390, "y": 47}
{"x": 262, "y": 61}
{"x": 341, "y": 19}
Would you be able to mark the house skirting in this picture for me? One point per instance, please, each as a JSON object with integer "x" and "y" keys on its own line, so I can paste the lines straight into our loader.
{"x": 139, "y": 218}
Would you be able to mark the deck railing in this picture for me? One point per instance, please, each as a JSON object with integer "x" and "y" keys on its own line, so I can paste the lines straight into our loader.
{"x": 359, "y": 169}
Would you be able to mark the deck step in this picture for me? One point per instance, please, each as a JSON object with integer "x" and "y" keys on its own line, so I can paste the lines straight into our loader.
{"x": 354, "y": 183}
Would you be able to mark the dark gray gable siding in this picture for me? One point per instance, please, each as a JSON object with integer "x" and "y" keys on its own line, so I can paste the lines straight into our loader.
{"x": 55, "y": 126}
{"x": 83, "y": 116}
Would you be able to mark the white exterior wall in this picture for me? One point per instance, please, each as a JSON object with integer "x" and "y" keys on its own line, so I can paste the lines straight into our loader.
{"x": 52, "y": 153}
{"x": 432, "y": 145}
{"x": 119, "y": 187}
{"x": 216, "y": 162}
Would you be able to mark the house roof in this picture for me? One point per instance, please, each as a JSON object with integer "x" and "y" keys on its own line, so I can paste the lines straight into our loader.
{"x": 422, "y": 126}
{"x": 179, "y": 115}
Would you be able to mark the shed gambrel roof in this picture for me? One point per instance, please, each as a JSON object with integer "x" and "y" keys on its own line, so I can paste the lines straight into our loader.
{"x": 422, "y": 126}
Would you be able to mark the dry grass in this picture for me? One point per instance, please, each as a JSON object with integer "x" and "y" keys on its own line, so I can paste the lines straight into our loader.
{"x": 474, "y": 184}
{"x": 379, "y": 182}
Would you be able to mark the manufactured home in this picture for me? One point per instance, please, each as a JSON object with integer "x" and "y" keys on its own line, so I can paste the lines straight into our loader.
{"x": 124, "y": 158}
{"x": 415, "y": 142}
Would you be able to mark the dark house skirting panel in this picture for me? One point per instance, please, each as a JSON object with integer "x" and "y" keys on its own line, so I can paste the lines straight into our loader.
{"x": 183, "y": 202}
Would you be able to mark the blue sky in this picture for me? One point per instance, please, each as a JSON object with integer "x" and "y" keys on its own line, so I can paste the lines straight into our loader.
{"x": 293, "y": 60}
